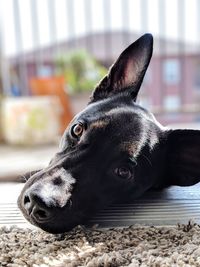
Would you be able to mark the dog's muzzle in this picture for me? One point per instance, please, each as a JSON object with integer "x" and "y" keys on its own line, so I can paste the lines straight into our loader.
{"x": 51, "y": 190}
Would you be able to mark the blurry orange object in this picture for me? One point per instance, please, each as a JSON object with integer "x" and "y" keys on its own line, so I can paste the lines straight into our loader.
{"x": 54, "y": 86}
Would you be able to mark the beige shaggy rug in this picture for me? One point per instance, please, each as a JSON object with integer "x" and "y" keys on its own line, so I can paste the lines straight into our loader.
{"x": 133, "y": 246}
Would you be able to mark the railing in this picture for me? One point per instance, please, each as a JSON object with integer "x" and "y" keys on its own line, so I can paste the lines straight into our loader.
{"x": 107, "y": 27}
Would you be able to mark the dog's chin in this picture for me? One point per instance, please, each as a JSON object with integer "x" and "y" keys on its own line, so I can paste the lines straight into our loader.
{"x": 54, "y": 228}
{"x": 51, "y": 227}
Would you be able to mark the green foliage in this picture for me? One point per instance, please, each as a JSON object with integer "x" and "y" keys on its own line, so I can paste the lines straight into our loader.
{"x": 80, "y": 70}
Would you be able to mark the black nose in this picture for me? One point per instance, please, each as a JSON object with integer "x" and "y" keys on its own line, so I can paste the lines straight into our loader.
{"x": 35, "y": 208}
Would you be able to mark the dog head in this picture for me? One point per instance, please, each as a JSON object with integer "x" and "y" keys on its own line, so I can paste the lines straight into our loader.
{"x": 112, "y": 150}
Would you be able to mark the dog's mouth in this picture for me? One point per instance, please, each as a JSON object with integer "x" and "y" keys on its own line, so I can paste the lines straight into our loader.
{"x": 56, "y": 221}
{"x": 41, "y": 216}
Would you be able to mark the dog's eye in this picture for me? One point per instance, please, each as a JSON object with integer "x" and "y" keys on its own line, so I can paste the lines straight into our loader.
{"x": 123, "y": 172}
{"x": 77, "y": 130}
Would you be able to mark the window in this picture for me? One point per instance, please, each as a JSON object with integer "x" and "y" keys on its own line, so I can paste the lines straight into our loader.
{"x": 44, "y": 71}
{"x": 172, "y": 102}
{"x": 171, "y": 71}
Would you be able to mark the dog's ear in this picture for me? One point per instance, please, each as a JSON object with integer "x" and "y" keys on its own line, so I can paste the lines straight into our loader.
{"x": 127, "y": 73}
{"x": 183, "y": 157}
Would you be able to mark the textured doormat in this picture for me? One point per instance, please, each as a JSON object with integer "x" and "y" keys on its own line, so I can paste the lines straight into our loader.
{"x": 133, "y": 246}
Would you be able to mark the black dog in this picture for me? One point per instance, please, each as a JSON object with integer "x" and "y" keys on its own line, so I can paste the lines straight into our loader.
{"x": 111, "y": 150}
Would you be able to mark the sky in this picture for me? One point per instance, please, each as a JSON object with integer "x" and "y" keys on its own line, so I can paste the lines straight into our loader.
{"x": 109, "y": 18}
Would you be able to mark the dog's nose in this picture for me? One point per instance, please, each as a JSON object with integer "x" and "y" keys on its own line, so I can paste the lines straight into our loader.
{"x": 35, "y": 208}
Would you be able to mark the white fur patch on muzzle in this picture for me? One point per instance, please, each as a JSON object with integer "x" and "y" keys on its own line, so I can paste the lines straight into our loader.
{"x": 55, "y": 194}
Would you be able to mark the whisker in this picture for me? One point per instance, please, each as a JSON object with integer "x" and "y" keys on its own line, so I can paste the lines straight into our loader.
{"x": 23, "y": 178}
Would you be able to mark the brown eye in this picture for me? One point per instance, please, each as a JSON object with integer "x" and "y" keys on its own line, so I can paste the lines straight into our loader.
{"x": 123, "y": 172}
{"x": 77, "y": 130}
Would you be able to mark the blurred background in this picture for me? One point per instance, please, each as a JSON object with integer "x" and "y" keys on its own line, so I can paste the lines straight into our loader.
{"x": 52, "y": 53}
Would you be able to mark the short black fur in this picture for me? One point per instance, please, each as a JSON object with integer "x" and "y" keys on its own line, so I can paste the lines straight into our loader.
{"x": 121, "y": 153}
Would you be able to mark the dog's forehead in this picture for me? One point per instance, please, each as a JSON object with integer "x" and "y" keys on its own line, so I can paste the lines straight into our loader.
{"x": 107, "y": 108}
{"x": 107, "y": 111}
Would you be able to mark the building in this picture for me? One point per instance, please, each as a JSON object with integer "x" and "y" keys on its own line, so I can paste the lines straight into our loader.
{"x": 171, "y": 88}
